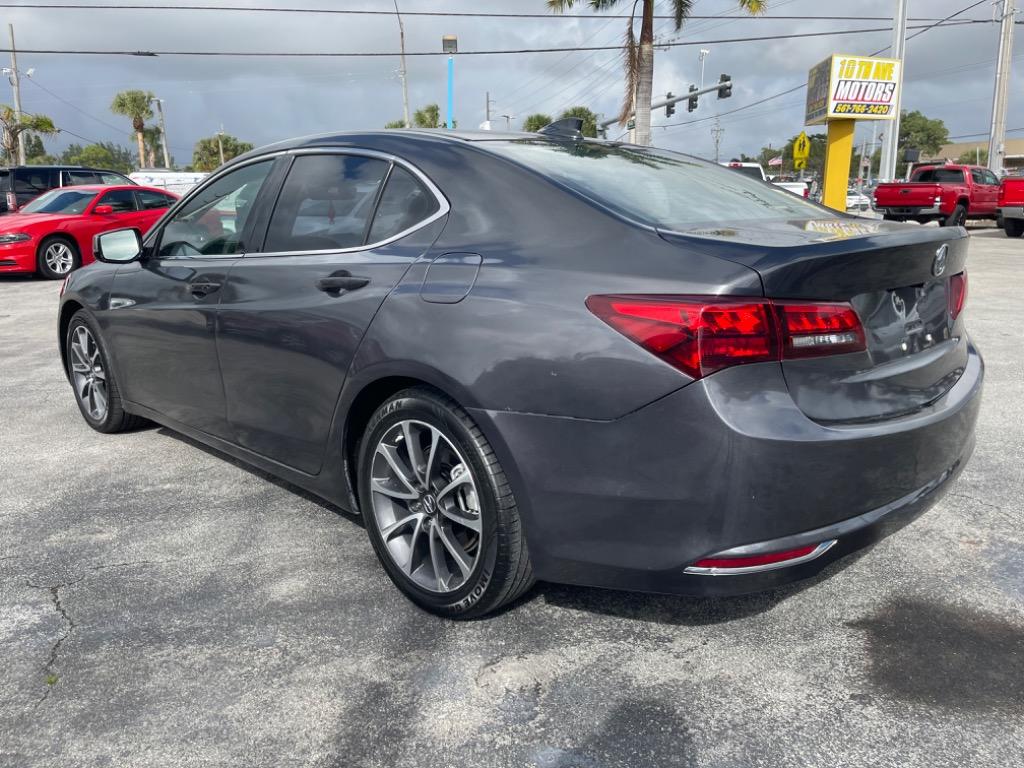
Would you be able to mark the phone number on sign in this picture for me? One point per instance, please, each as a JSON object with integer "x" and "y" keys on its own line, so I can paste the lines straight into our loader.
{"x": 862, "y": 109}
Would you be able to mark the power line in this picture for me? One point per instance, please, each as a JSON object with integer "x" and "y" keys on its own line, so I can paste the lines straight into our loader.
{"x": 381, "y": 54}
{"x": 780, "y": 94}
{"x": 444, "y": 14}
{"x": 77, "y": 109}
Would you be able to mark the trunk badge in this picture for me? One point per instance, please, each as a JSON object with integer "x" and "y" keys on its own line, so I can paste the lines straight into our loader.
{"x": 939, "y": 265}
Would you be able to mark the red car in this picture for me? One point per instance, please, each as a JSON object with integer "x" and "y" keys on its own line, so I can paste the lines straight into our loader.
{"x": 53, "y": 233}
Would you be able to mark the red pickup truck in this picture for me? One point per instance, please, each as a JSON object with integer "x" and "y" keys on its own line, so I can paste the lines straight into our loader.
{"x": 949, "y": 194}
{"x": 1011, "y": 205}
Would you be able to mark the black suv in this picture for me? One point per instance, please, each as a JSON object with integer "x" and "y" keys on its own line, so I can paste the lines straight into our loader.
{"x": 19, "y": 184}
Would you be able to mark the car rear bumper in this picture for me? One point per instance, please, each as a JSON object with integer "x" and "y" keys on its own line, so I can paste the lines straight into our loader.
{"x": 905, "y": 210}
{"x": 1012, "y": 211}
{"x": 727, "y": 462}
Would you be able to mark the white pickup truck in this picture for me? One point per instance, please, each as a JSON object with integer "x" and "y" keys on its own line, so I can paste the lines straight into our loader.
{"x": 755, "y": 170}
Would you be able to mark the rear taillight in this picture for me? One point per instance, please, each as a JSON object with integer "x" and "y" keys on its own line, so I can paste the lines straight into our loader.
{"x": 1001, "y": 200}
{"x": 957, "y": 294}
{"x": 701, "y": 335}
{"x": 12, "y": 202}
{"x": 807, "y": 192}
{"x": 738, "y": 561}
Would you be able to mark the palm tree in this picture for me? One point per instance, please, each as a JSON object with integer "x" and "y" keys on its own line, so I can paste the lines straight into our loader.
{"x": 638, "y": 58}
{"x": 136, "y": 105}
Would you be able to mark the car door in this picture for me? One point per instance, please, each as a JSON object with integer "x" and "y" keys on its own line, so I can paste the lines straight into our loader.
{"x": 344, "y": 230}
{"x": 124, "y": 211}
{"x": 990, "y": 190}
{"x": 162, "y": 317}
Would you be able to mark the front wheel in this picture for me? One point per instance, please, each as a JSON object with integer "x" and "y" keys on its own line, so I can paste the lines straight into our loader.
{"x": 58, "y": 258}
{"x": 1013, "y": 227}
{"x": 96, "y": 389}
{"x": 438, "y": 508}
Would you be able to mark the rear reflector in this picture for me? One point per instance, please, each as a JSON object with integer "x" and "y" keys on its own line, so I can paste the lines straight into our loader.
{"x": 957, "y": 294}
{"x": 702, "y": 334}
{"x": 725, "y": 564}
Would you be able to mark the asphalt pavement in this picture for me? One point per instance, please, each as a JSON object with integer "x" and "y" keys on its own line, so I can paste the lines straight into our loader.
{"x": 163, "y": 605}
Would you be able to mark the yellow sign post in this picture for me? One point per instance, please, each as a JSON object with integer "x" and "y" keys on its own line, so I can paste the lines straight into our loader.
{"x": 841, "y": 90}
{"x": 801, "y": 151}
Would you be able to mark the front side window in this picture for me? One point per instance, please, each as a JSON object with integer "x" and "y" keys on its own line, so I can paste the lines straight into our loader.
{"x": 213, "y": 222}
{"x": 989, "y": 178}
{"x": 658, "y": 188}
{"x": 65, "y": 201}
{"x": 121, "y": 200}
{"x": 404, "y": 203}
{"x": 325, "y": 204}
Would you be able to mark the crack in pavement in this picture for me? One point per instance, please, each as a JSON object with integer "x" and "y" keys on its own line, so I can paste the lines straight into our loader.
{"x": 58, "y": 606}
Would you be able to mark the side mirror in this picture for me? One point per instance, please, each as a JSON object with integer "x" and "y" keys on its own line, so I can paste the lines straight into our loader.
{"x": 103, "y": 210}
{"x": 119, "y": 246}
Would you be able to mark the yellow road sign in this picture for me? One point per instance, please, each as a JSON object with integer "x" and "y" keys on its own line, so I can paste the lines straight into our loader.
{"x": 800, "y": 163}
{"x": 801, "y": 150}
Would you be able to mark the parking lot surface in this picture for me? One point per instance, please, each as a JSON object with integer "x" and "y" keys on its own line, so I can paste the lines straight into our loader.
{"x": 162, "y": 605}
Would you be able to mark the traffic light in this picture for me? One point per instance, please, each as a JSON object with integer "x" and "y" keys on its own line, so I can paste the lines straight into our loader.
{"x": 724, "y": 90}
{"x": 691, "y": 103}
{"x": 670, "y": 108}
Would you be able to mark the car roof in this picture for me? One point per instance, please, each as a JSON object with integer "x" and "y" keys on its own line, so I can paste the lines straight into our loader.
{"x": 115, "y": 187}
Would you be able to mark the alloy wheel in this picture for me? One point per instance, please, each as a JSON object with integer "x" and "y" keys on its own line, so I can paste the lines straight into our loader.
{"x": 426, "y": 506}
{"x": 89, "y": 376}
{"x": 59, "y": 258}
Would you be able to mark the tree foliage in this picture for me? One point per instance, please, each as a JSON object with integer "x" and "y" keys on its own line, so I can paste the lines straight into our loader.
{"x": 427, "y": 117}
{"x": 923, "y": 133}
{"x": 536, "y": 121}
{"x": 13, "y": 126}
{"x": 395, "y": 124}
{"x": 137, "y": 106}
{"x": 974, "y": 157}
{"x": 589, "y": 119}
{"x": 107, "y": 155}
{"x": 206, "y": 154}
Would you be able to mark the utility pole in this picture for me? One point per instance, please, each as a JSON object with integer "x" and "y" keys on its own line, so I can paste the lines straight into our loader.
{"x": 997, "y": 138}
{"x": 220, "y": 144}
{"x": 16, "y": 83}
{"x": 891, "y": 140}
{"x": 401, "y": 68}
{"x": 716, "y": 133}
{"x": 487, "y": 106}
{"x": 163, "y": 132}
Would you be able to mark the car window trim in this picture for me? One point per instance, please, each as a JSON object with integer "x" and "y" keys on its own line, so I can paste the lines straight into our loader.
{"x": 154, "y": 235}
{"x": 443, "y": 206}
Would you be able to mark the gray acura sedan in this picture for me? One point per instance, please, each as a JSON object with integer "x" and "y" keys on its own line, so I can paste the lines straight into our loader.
{"x": 536, "y": 356}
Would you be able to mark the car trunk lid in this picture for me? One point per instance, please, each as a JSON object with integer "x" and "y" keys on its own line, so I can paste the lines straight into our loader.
{"x": 916, "y": 195}
{"x": 896, "y": 277}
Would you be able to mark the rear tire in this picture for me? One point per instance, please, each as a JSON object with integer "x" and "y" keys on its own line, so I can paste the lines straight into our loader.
{"x": 458, "y": 553}
{"x": 57, "y": 258}
{"x": 957, "y": 218}
{"x": 1013, "y": 227}
{"x": 92, "y": 379}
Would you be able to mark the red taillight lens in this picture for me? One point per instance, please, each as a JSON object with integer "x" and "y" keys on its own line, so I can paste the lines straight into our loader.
{"x": 755, "y": 560}
{"x": 701, "y": 335}
{"x": 697, "y": 336}
{"x": 815, "y": 329}
{"x": 957, "y": 294}
{"x": 807, "y": 192}
{"x": 12, "y": 202}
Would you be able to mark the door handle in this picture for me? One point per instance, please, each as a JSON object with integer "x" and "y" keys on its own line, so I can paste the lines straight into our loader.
{"x": 338, "y": 284}
{"x": 201, "y": 288}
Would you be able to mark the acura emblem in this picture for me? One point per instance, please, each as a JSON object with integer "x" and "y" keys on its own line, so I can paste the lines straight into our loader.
{"x": 939, "y": 265}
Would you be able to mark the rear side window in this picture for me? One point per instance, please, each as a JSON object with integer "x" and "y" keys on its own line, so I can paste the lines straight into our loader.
{"x": 658, "y": 188}
{"x": 405, "y": 203}
{"x": 149, "y": 200}
{"x": 113, "y": 178}
{"x": 77, "y": 178}
{"x": 32, "y": 181}
{"x": 121, "y": 200}
{"x": 326, "y": 203}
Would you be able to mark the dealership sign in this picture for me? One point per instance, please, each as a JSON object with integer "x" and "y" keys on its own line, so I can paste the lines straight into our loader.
{"x": 853, "y": 87}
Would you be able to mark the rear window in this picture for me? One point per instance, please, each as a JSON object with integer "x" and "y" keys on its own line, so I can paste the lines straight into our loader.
{"x": 68, "y": 201}
{"x": 747, "y": 170}
{"x": 658, "y": 188}
{"x": 939, "y": 176}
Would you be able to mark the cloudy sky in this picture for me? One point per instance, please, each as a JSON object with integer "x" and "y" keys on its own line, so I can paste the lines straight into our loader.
{"x": 949, "y": 71}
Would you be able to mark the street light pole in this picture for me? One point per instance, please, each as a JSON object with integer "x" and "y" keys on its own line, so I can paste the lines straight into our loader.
{"x": 163, "y": 132}
{"x": 450, "y": 45}
{"x": 997, "y": 138}
{"x": 15, "y": 82}
{"x": 890, "y": 142}
{"x": 703, "y": 55}
{"x": 401, "y": 70}
{"x": 220, "y": 144}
